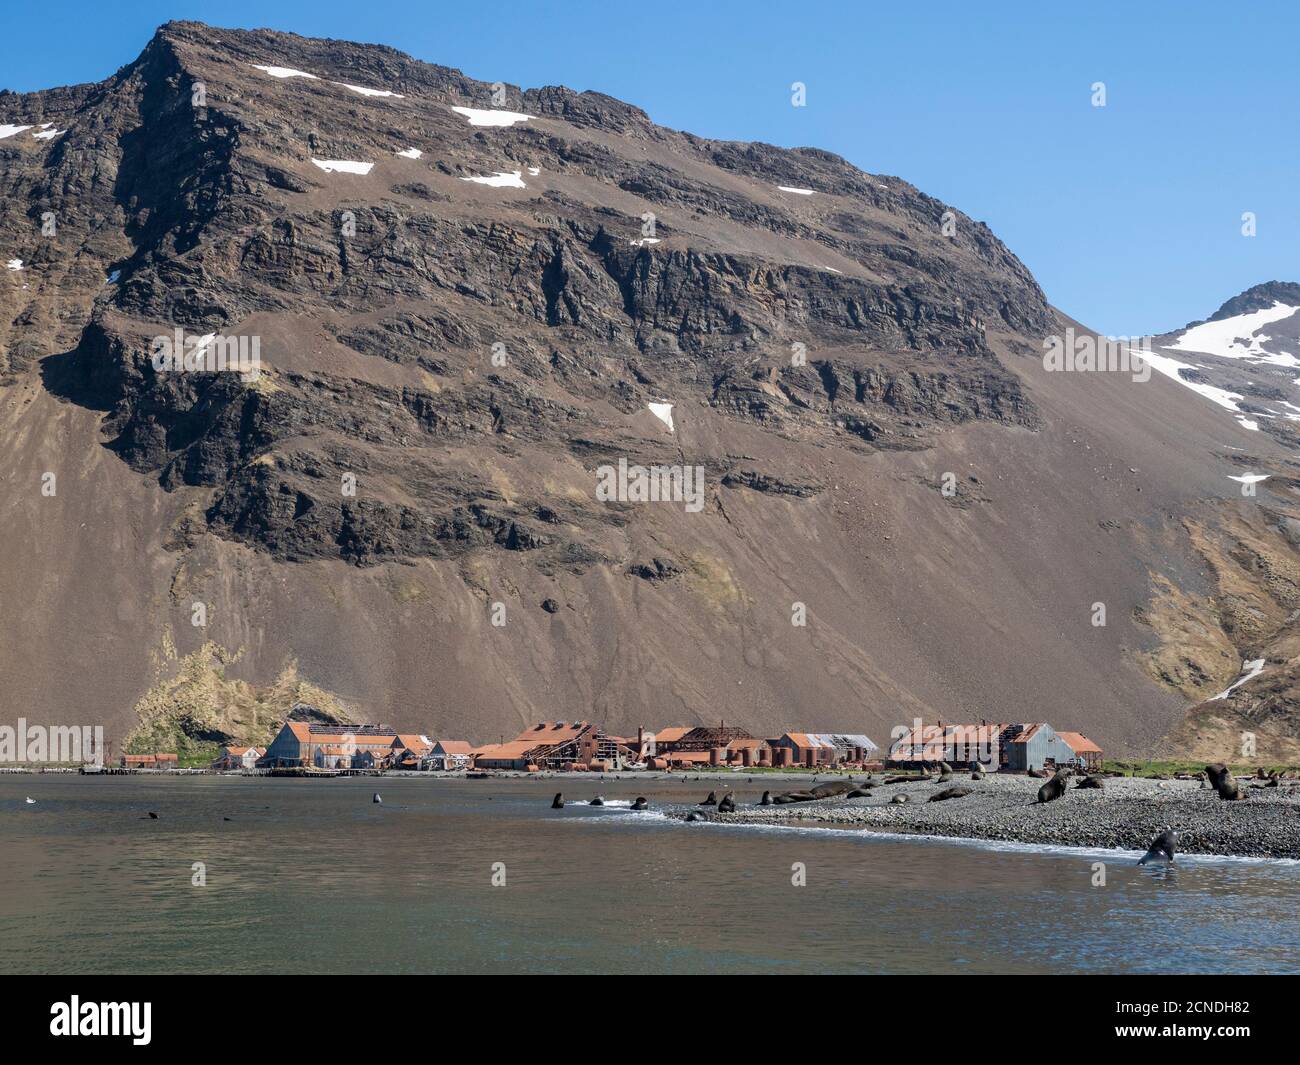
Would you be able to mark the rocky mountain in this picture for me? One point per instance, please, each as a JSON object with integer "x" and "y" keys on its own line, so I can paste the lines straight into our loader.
{"x": 1244, "y": 358}
{"x": 468, "y": 304}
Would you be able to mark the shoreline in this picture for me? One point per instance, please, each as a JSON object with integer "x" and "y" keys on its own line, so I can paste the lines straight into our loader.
{"x": 1125, "y": 815}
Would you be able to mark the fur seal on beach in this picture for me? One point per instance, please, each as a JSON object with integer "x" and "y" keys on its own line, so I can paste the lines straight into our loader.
{"x": 1221, "y": 781}
{"x": 899, "y": 799}
{"x": 766, "y": 800}
{"x": 376, "y": 798}
{"x": 727, "y": 805}
{"x": 1032, "y": 772}
{"x": 597, "y": 801}
{"x": 557, "y": 803}
{"x": 977, "y": 773}
{"x": 950, "y": 793}
{"x": 712, "y": 800}
{"x": 794, "y": 796}
{"x": 640, "y": 803}
{"x": 1162, "y": 847}
{"x": 1054, "y": 788}
{"x": 1089, "y": 782}
{"x": 831, "y": 787}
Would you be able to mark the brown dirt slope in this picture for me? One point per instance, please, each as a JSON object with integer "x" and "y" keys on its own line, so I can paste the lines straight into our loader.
{"x": 833, "y": 360}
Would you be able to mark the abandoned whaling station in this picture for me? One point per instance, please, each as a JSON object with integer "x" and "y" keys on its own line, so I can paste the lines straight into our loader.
{"x": 312, "y": 748}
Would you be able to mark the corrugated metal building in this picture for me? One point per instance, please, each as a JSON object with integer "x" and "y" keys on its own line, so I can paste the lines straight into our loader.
{"x": 449, "y": 754}
{"x": 1087, "y": 752}
{"x": 824, "y": 748}
{"x": 300, "y": 743}
{"x": 1034, "y": 746}
{"x": 958, "y": 745}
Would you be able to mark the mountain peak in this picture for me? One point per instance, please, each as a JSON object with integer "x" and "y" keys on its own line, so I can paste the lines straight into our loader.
{"x": 1258, "y": 298}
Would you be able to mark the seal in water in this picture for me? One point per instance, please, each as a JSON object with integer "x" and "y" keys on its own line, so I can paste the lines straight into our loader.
{"x": 376, "y": 798}
{"x": 557, "y": 803}
{"x": 695, "y": 815}
{"x": 1054, "y": 788}
{"x": 950, "y": 793}
{"x": 1162, "y": 847}
{"x": 712, "y": 800}
{"x": 727, "y": 805}
{"x": 597, "y": 801}
{"x": 640, "y": 803}
{"x": 766, "y": 800}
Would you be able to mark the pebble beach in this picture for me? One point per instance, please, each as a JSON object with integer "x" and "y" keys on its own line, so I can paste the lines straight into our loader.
{"x": 1126, "y": 814}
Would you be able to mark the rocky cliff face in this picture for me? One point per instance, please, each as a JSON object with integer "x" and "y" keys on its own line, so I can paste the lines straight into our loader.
{"x": 466, "y": 300}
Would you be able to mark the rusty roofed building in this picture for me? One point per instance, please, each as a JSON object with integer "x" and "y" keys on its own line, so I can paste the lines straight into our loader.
{"x": 232, "y": 757}
{"x": 165, "y": 760}
{"x": 302, "y": 743}
{"x": 550, "y": 745}
{"x": 958, "y": 745}
{"x": 1087, "y": 753}
{"x": 1010, "y": 747}
{"x": 821, "y": 748}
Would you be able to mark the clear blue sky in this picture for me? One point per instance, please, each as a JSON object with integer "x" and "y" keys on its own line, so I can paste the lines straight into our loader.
{"x": 1128, "y": 215}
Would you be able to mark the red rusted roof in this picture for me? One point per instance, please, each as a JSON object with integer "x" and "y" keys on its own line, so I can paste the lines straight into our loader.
{"x": 1079, "y": 743}
{"x": 1029, "y": 732}
{"x": 672, "y": 733}
{"x": 548, "y": 732}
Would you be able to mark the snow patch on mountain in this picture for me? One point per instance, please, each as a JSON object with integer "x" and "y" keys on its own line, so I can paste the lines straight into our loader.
{"x": 503, "y": 180}
{"x": 1168, "y": 366}
{"x": 664, "y": 412}
{"x": 369, "y": 92}
{"x": 1238, "y": 337}
{"x": 345, "y": 166}
{"x": 489, "y": 117}
{"x": 1250, "y": 671}
{"x": 285, "y": 72}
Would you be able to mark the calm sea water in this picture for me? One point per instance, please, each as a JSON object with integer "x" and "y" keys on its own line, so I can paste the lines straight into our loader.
{"x": 310, "y": 876}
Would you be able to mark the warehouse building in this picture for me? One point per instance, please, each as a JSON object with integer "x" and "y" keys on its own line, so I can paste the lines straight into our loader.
{"x": 553, "y": 745}
{"x": 1087, "y": 753}
{"x": 958, "y": 745}
{"x": 447, "y": 755}
{"x": 820, "y": 748}
{"x": 1036, "y": 746}
{"x": 328, "y": 746}
{"x": 231, "y": 757}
